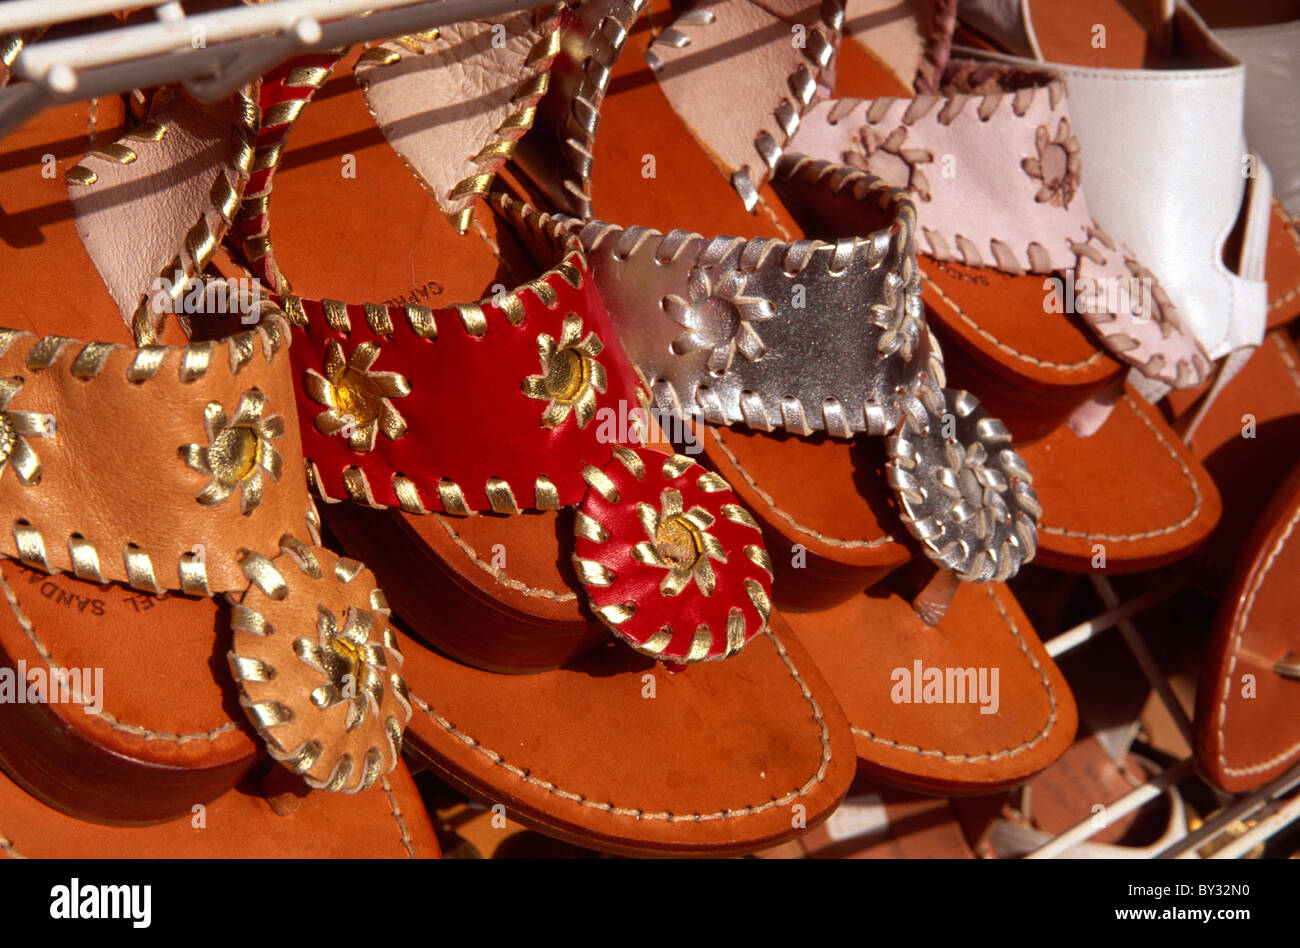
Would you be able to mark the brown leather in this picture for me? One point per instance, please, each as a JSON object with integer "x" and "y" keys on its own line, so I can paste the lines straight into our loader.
{"x": 169, "y": 734}
{"x": 107, "y": 491}
{"x": 726, "y": 757}
{"x": 876, "y": 822}
{"x": 1034, "y": 369}
{"x": 948, "y": 748}
{"x": 1132, "y": 491}
{"x": 817, "y": 546}
{"x": 1282, "y": 267}
{"x": 1262, "y": 401}
{"x": 389, "y": 823}
{"x": 376, "y": 235}
{"x": 583, "y": 726}
{"x": 1247, "y": 727}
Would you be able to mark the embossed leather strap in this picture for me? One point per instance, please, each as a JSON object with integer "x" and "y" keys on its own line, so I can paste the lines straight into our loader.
{"x": 490, "y": 406}
{"x": 742, "y": 332}
{"x": 154, "y": 467}
{"x": 1010, "y": 198}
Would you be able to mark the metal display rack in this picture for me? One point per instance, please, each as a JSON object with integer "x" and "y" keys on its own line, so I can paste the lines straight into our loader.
{"x": 66, "y": 58}
{"x": 212, "y": 53}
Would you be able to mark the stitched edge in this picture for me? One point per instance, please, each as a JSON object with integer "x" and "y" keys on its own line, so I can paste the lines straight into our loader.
{"x": 988, "y": 758}
{"x": 1145, "y": 534}
{"x": 109, "y": 719}
{"x": 789, "y": 518}
{"x": 1239, "y": 628}
{"x": 397, "y": 817}
{"x": 1023, "y": 357}
{"x": 1291, "y": 368}
{"x": 472, "y": 555}
{"x": 639, "y": 814}
{"x": 1293, "y": 228}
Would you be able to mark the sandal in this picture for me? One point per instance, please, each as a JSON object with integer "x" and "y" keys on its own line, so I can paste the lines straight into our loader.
{"x": 831, "y": 526}
{"x": 252, "y": 821}
{"x": 482, "y": 549}
{"x": 988, "y": 263}
{"x": 1224, "y": 248}
{"x": 199, "y": 492}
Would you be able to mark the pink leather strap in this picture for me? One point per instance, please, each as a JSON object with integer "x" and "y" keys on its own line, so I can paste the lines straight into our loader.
{"x": 994, "y": 169}
{"x": 740, "y": 76}
{"x": 159, "y": 200}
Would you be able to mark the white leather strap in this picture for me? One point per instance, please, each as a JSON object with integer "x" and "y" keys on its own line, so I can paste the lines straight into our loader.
{"x": 1164, "y": 170}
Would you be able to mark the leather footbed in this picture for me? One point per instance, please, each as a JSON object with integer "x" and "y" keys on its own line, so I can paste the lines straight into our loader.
{"x": 170, "y": 732}
{"x": 1032, "y": 369}
{"x": 947, "y": 747}
{"x": 830, "y": 497}
{"x": 1247, "y": 441}
{"x": 387, "y": 822}
{"x": 1247, "y": 728}
{"x": 721, "y": 740}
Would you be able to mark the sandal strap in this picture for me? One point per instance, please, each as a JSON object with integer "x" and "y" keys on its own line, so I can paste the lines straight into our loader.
{"x": 1174, "y": 214}
{"x": 155, "y": 467}
{"x": 1017, "y": 204}
{"x": 489, "y": 406}
{"x": 858, "y": 298}
{"x": 482, "y": 78}
{"x": 784, "y": 52}
{"x": 153, "y": 206}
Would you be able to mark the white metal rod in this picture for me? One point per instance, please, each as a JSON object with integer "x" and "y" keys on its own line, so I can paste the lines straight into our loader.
{"x": 19, "y": 103}
{"x": 1117, "y": 809}
{"x": 1076, "y": 636}
{"x": 191, "y": 63}
{"x": 24, "y": 14}
{"x": 196, "y": 30}
{"x": 260, "y": 58}
{"x": 1242, "y": 809}
{"x": 1259, "y": 833}
{"x": 1146, "y": 660}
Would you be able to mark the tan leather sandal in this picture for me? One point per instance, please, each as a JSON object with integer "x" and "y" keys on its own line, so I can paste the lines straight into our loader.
{"x": 523, "y": 535}
{"x": 153, "y": 483}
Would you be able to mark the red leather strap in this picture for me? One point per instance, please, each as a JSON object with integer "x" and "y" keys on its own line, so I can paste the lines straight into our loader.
{"x": 466, "y": 429}
{"x": 285, "y": 92}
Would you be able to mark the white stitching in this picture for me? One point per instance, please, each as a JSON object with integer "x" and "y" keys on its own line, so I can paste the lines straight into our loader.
{"x": 639, "y": 814}
{"x": 113, "y": 722}
{"x": 1145, "y": 534}
{"x": 986, "y": 758}
{"x": 1239, "y": 628}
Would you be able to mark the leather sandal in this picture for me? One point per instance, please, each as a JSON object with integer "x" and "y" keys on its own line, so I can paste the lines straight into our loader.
{"x": 1041, "y": 310}
{"x": 1200, "y": 212}
{"x": 1247, "y": 440}
{"x": 1248, "y": 731}
{"x": 144, "y": 484}
{"x": 266, "y": 818}
{"x": 832, "y": 525}
{"x": 524, "y": 521}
